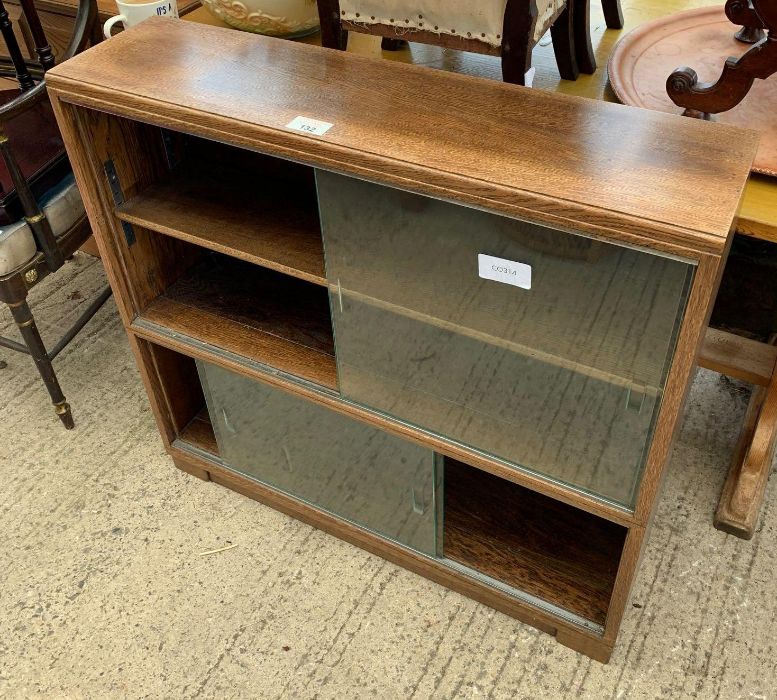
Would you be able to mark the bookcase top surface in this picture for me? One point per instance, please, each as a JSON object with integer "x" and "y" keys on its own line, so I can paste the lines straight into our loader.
{"x": 447, "y": 133}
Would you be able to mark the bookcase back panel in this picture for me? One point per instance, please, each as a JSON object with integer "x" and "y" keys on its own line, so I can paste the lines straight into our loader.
{"x": 353, "y": 470}
{"x": 542, "y": 347}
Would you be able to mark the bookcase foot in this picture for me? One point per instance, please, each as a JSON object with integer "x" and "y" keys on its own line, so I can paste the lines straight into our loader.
{"x": 597, "y": 649}
{"x": 189, "y": 468}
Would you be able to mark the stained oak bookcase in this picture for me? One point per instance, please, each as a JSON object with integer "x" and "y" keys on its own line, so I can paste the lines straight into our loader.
{"x": 450, "y": 321}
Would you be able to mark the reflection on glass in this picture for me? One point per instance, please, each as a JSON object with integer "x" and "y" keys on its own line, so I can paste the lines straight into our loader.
{"x": 564, "y": 378}
{"x": 361, "y": 474}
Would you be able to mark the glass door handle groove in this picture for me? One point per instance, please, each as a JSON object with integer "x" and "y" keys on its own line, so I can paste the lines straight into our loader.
{"x": 635, "y": 399}
{"x": 227, "y": 424}
{"x": 289, "y": 466}
{"x": 417, "y": 508}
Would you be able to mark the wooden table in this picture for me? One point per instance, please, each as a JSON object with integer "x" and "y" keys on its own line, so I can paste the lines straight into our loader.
{"x": 729, "y": 354}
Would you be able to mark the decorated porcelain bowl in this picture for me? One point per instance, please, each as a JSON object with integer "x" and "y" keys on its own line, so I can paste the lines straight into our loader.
{"x": 287, "y": 18}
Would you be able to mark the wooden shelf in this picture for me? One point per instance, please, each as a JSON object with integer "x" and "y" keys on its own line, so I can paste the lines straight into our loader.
{"x": 256, "y": 313}
{"x": 199, "y": 433}
{"x": 269, "y": 222}
{"x": 531, "y": 542}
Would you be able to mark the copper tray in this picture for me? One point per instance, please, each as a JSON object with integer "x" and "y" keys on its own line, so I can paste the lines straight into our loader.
{"x": 702, "y": 39}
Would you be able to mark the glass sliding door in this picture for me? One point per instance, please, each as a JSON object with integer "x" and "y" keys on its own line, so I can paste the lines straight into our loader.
{"x": 546, "y": 349}
{"x": 350, "y": 469}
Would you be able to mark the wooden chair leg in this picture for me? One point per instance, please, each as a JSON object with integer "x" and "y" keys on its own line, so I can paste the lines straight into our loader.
{"x": 26, "y": 323}
{"x": 613, "y": 14}
{"x": 563, "y": 36}
{"x": 518, "y": 40}
{"x": 333, "y": 36}
{"x": 584, "y": 50}
{"x": 390, "y": 44}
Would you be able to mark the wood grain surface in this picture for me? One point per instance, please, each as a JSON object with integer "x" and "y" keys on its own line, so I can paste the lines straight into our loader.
{"x": 199, "y": 432}
{"x": 530, "y": 542}
{"x": 269, "y": 219}
{"x": 743, "y": 490}
{"x": 258, "y": 314}
{"x": 601, "y": 309}
{"x": 180, "y": 385}
{"x": 757, "y": 216}
{"x": 643, "y": 65}
{"x": 566, "y": 632}
{"x": 157, "y": 334}
{"x": 673, "y": 172}
{"x": 735, "y": 356}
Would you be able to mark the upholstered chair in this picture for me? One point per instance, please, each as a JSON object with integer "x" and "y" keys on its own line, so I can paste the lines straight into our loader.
{"x": 506, "y": 28}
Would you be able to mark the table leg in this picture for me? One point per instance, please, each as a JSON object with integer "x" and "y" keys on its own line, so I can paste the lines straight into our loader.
{"x": 743, "y": 493}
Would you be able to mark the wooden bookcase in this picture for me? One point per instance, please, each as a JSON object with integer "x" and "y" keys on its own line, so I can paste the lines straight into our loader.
{"x": 310, "y": 322}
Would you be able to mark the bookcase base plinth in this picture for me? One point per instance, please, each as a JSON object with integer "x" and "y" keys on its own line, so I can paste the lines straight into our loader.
{"x": 566, "y": 633}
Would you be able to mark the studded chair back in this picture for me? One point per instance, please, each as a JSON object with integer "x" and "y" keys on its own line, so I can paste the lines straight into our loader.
{"x": 506, "y": 28}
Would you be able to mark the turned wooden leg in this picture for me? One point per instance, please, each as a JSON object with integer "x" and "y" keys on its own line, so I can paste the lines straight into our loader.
{"x": 26, "y": 323}
{"x": 752, "y": 27}
{"x": 563, "y": 35}
{"x": 743, "y": 493}
{"x": 333, "y": 36}
{"x": 613, "y": 14}
{"x": 391, "y": 44}
{"x": 518, "y": 40}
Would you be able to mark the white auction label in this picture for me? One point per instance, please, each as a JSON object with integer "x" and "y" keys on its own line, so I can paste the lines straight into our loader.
{"x": 309, "y": 126}
{"x": 505, "y": 271}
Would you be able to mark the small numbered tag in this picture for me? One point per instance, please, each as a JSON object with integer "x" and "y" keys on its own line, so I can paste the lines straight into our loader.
{"x": 505, "y": 271}
{"x": 306, "y": 125}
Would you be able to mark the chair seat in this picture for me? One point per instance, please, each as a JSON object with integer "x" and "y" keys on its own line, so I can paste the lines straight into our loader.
{"x": 482, "y": 20}
{"x": 62, "y": 206}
